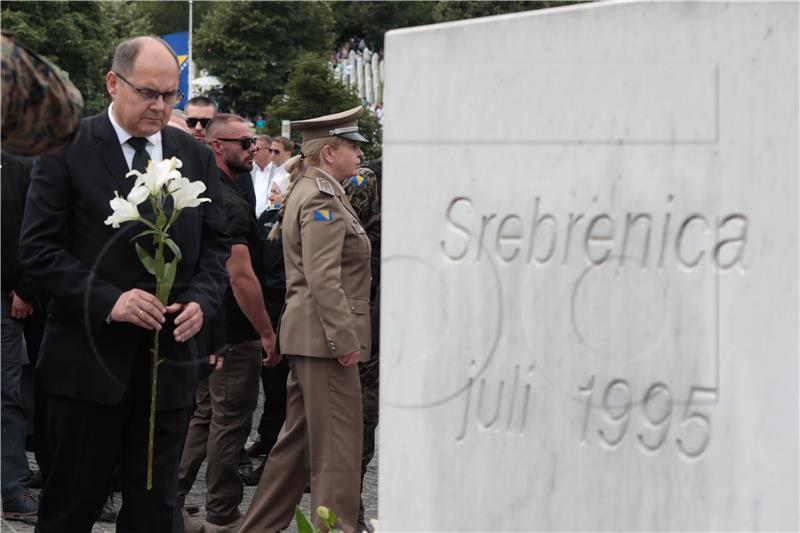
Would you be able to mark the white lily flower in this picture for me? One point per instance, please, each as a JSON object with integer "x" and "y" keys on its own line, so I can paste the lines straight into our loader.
{"x": 138, "y": 195}
{"x": 185, "y": 192}
{"x": 157, "y": 174}
{"x": 123, "y": 210}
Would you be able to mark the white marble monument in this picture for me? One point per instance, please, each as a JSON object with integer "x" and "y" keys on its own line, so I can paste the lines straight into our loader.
{"x": 590, "y": 271}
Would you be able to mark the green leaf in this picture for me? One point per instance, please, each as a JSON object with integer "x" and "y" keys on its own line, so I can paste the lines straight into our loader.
{"x": 158, "y": 264}
{"x": 167, "y": 280}
{"x": 303, "y": 525}
{"x": 142, "y": 234}
{"x": 146, "y": 260}
{"x": 174, "y": 247}
{"x": 161, "y": 221}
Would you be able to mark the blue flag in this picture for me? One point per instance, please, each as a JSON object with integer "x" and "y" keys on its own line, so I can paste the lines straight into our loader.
{"x": 180, "y": 44}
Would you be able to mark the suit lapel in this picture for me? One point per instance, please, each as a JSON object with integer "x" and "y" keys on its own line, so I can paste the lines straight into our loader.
{"x": 170, "y": 148}
{"x": 110, "y": 152}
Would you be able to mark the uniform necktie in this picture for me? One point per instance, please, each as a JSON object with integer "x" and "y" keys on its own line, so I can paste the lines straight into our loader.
{"x": 140, "y": 156}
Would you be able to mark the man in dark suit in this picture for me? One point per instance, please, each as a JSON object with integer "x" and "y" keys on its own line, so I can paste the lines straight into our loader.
{"x": 95, "y": 363}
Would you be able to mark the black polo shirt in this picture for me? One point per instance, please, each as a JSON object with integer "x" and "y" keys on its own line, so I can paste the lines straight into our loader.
{"x": 242, "y": 229}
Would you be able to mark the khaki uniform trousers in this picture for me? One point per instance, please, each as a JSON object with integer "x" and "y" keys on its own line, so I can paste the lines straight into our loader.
{"x": 322, "y": 435}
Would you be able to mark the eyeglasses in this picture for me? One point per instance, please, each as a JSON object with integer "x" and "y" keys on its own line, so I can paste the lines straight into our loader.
{"x": 270, "y": 150}
{"x": 170, "y": 97}
{"x": 244, "y": 142}
{"x": 192, "y": 122}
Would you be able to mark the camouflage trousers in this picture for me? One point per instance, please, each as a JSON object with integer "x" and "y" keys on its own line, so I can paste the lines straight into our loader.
{"x": 370, "y": 372}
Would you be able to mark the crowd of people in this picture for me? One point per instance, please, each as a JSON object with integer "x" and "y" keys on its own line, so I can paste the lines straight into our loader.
{"x": 276, "y": 289}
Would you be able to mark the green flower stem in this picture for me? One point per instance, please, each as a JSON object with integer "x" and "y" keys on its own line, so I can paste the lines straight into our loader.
{"x": 154, "y": 379}
{"x": 172, "y": 219}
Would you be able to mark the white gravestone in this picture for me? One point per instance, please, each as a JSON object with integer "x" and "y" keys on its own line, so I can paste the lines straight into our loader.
{"x": 376, "y": 79}
{"x": 590, "y": 271}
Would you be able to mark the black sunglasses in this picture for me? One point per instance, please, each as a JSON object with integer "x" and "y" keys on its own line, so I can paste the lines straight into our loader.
{"x": 170, "y": 97}
{"x": 244, "y": 142}
{"x": 192, "y": 122}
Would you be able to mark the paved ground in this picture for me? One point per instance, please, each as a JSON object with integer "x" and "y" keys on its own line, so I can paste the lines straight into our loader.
{"x": 197, "y": 496}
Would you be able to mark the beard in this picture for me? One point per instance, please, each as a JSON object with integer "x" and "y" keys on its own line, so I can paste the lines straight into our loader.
{"x": 239, "y": 166}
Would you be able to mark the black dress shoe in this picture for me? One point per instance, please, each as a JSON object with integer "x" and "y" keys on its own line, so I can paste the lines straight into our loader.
{"x": 36, "y": 481}
{"x": 256, "y": 449}
{"x": 252, "y": 479}
{"x": 245, "y": 465}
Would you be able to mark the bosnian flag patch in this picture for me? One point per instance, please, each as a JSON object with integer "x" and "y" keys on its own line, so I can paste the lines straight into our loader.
{"x": 323, "y": 215}
{"x": 358, "y": 181}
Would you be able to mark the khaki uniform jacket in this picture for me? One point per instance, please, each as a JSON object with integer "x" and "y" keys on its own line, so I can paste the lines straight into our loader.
{"x": 327, "y": 257}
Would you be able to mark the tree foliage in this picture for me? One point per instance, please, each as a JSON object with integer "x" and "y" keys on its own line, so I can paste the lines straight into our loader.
{"x": 446, "y": 11}
{"x": 79, "y": 37}
{"x": 172, "y": 17}
{"x": 311, "y": 91}
{"x": 251, "y": 46}
{"x": 371, "y": 20}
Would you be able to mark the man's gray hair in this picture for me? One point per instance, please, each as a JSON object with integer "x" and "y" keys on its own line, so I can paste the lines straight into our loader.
{"x": 128, "y": 50}
{"x": 264, "y": 138}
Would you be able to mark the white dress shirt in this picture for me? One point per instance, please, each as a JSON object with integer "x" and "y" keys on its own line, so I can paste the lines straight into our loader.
{"x": 261, "y": 186}
{"x": 153, "y": 142}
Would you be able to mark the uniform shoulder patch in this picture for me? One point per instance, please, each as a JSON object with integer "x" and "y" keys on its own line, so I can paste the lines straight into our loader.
{"x": 358, "y": 180}
{"x": 324, "y": 186}
{"x": 323, "y": 215}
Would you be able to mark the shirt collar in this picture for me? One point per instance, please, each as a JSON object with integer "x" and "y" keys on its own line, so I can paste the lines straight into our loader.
{"x": 123, "y": 136}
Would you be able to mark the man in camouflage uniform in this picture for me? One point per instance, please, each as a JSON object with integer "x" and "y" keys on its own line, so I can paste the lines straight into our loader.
{"x": 364, "y": 192}
{"x": 41, "y": 107}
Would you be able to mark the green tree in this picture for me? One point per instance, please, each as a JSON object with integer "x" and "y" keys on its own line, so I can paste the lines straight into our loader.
{"x": 447, "y": 10}
{"x": 312, "y": 91}
{"x": 371, "y": 20}
{"x": 251, "y": 46}
{"x": 79, "y": 37}
{"x": 172, "y": 17}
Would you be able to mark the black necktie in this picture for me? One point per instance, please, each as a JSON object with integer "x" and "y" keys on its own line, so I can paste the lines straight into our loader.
{"x": 140, "y": 156}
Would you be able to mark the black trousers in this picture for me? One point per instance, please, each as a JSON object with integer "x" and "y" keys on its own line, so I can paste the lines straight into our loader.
{"x": 87, "y": 440}
{"x": 272, "y": 418}
{"x": 273, "y": 380}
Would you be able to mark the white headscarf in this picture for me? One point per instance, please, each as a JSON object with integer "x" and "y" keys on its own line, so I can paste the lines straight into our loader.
{"x": 282, "y": 182}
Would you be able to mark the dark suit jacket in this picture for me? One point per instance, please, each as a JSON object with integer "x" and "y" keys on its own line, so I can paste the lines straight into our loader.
{"x": 16, "y": 177}
{"x": 86, "y": 265}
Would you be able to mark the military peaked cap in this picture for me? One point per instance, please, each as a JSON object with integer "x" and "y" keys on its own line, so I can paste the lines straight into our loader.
{"x": 344, "y": 125}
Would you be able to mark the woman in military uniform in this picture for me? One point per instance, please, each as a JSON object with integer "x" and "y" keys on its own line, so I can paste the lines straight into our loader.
{"x": 324, "y": 332}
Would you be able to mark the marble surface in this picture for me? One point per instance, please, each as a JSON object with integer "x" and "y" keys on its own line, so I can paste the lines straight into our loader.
{"x": 590, "y": 270}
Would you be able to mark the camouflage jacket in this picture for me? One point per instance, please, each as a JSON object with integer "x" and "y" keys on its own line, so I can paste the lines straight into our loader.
{"x": 363, "y": 191}
{"x": 41, "y": 107}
